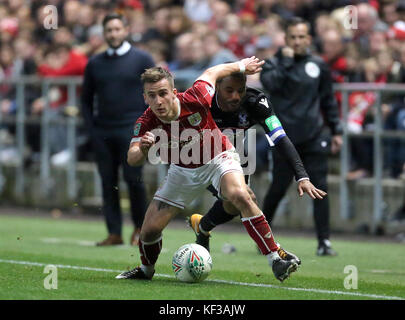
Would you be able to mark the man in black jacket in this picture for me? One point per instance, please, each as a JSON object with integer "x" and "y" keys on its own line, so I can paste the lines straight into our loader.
{"x": 112, "y": 100}
{"x": 237, "y": 108}
{"x": 300, "y": 87}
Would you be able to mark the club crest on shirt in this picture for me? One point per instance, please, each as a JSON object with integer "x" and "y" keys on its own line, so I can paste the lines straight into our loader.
{"x": 312, "y": 69}
{"x": 194, "y": 119}
{"x": 243, "y": 120}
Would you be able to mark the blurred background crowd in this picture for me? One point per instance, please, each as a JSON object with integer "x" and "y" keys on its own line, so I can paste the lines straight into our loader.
{"x": 187, "y": 36}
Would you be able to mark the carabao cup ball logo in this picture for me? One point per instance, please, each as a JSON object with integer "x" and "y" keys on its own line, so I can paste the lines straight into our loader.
{"x": 191, "y": 263}
{"x": 196, "y": 265}
{"x": 179, "y": 259}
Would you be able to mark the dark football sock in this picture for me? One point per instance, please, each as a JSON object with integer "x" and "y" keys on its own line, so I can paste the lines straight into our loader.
{"x": 150, "y": 251}
{"x": 215, "y": 216}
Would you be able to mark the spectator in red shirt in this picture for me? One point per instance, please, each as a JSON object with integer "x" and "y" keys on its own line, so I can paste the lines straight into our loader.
{"x": 334, "y": 54}
{"x": 60, "y": 61}
{"x": 64, "y": 62}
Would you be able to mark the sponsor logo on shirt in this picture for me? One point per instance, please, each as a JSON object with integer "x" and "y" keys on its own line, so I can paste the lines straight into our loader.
{"x": 273, "y": 123}
{"x": 137, "y": 128}
{"x": 264, "y": 102}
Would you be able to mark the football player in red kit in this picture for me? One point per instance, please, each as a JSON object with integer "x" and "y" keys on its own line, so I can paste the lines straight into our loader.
{"x": 182, "y": 125}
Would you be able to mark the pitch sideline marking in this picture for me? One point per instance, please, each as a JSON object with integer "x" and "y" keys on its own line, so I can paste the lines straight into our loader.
{"x": 38, "y": 264}
{"x": 84, "y": 243}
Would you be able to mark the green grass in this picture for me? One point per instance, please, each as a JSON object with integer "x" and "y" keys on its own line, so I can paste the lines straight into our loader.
{"x": 57, "y": 241}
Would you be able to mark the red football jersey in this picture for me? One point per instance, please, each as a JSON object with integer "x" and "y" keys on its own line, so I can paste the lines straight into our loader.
{"x": 193, "y": 138}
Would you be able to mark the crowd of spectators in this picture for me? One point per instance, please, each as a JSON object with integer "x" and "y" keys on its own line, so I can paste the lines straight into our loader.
{"x": 187, "y": 36}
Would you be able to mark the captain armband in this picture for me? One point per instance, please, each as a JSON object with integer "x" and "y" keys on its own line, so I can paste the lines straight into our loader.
{"x": 275, "y": 129}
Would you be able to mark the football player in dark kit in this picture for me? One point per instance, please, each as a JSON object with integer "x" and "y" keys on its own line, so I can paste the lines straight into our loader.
{"x": 236, "y": 106}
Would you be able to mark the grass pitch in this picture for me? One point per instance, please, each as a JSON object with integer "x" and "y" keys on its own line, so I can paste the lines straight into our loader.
{"x": 28, "y": 244}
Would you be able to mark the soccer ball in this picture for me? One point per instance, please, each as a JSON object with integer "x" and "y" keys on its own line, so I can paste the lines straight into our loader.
{"x": 191, "y": 263}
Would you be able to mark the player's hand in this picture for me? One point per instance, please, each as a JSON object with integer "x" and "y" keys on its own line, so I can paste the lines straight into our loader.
{"x": 252, "y": 65}
{"x": 147, "y": 141}
{"x": 287, "y": 52}
{"x": 305, "y": 186}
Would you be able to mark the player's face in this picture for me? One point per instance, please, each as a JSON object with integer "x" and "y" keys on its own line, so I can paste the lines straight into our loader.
{"x": 230, "y": 92}
{"x": 161, "y": 98}
{"x": 298, "y": 38}
{"x": 115, "y": 33}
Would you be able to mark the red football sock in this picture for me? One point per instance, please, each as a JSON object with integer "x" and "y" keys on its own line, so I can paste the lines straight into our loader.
{"x": 259, "y": 230}
{"x": 150, "y": 251}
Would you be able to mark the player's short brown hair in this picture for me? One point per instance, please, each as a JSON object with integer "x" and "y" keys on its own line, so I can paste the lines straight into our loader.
{"x": 155, "y": 74}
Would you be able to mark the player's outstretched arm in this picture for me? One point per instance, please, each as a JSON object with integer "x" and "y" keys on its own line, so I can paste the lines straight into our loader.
{"x": 138, "y": 151}
{"x": 260, "y": 109}
{"x": 248, "y": 66}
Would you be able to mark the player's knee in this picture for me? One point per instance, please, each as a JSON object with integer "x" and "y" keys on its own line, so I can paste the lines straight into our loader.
{"x": 239, "y": 197}
{"x": 230, "y": 208}
{"x": 150, "y": 231}
{"x": 252, "y": 195}
{"x": 150, "y": 234}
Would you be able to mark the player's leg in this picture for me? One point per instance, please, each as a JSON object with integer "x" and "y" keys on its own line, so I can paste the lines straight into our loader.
{"x": 282, "y": 177}
{"x": 202, "y": 225}
{"x": 179, "y": 189}
{"x": 156, "y": 219}
{"x": 221, "y": 212}
{"x": 284, "y": 254}
{"x": 233, "y": 188}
